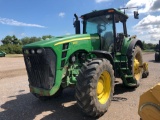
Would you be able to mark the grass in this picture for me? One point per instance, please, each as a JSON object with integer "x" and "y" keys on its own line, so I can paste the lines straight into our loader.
{"x": 150, "y": 50}
{"x": 14, "y": 55}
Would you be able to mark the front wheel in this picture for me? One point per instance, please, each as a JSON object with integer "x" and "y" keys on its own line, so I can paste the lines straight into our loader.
{"x": 95, "y": 87}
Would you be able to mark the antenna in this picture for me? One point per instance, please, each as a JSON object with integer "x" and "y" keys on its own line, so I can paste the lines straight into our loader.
{"x": 136, "y": 14}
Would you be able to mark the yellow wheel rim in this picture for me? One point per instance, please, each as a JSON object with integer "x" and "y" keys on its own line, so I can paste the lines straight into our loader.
{"x": 137, "y": 68}
{"x": 104, "y": 87}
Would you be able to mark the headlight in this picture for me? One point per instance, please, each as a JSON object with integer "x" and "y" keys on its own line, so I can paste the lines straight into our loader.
{"x": 39, "y": 51}
{"x": 32, "y": 51}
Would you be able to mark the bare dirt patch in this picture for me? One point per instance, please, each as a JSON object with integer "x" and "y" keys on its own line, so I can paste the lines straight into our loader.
{"x": 12, "y": 73}
{"x": 17, "y": 103}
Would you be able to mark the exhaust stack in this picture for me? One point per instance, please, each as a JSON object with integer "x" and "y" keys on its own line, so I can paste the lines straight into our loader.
{"x": 77, "y": 25}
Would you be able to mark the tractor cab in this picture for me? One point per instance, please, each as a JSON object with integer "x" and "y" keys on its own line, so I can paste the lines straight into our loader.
{"x": 104, "y": 23}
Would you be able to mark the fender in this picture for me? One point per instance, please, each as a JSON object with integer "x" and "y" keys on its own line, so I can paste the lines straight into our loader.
{"x": 104, "y": 54}
{"x": 133, "y": 43}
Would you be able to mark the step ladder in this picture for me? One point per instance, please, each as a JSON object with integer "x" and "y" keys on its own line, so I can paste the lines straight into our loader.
{"x": 121, "y": 64}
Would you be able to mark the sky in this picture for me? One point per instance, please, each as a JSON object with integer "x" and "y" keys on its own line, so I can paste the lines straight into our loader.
{"x": 28, "y": 18}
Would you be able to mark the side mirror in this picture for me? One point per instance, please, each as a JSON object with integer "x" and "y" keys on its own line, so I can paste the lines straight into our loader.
{"x": 136, "y": 15}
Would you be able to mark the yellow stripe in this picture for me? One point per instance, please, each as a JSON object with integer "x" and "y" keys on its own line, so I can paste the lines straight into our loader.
{"x": 76, "y": 39}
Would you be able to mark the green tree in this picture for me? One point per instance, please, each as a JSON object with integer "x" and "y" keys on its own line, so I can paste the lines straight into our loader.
{"x": 15, "y": 40}
{"x": 148, "y": 45}
{"x": 11, "y": 48}
{"x": 34, "y": 39}
{"x": 11, "y": 40}
{"x": 28, "y": 40}
{"x": 7, "y": 40}
{"x": 46, "y": 36}
{"x": 25, "y": 40}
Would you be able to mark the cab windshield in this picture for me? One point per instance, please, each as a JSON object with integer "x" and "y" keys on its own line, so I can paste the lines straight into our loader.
{"x": 103, "y": 25}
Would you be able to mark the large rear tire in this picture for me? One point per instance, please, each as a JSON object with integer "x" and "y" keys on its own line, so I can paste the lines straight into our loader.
{"x": 156, "y": 57}
{"x": 135, "y": 63}
{"x": 95, "y": 87}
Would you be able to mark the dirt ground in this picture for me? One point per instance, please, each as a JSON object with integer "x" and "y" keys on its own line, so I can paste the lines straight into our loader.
{"x": 16, "y": 103}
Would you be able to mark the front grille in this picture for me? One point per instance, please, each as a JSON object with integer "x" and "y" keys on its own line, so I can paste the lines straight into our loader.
{"x": 40, "y": 67}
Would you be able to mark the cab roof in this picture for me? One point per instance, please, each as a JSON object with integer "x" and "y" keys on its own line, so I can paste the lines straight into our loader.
{"x": 104, "y": 12}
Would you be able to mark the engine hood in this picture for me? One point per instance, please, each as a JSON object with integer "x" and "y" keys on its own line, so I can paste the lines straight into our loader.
{"x": 60, "y": 40}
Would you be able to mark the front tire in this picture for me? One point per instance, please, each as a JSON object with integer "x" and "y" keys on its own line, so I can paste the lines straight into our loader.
{"x": 95, "y": 87}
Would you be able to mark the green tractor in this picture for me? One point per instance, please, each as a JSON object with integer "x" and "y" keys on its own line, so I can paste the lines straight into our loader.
{"x": 89, "y": 61}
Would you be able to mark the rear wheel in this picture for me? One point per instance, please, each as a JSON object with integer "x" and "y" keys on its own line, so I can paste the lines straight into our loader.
{"x": 95, "y": 87}
{"x": 156, "y": 57}
{"x": 136, "y": 64}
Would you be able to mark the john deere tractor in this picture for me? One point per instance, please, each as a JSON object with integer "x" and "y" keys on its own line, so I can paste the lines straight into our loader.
{"x": 89, "y": 61}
